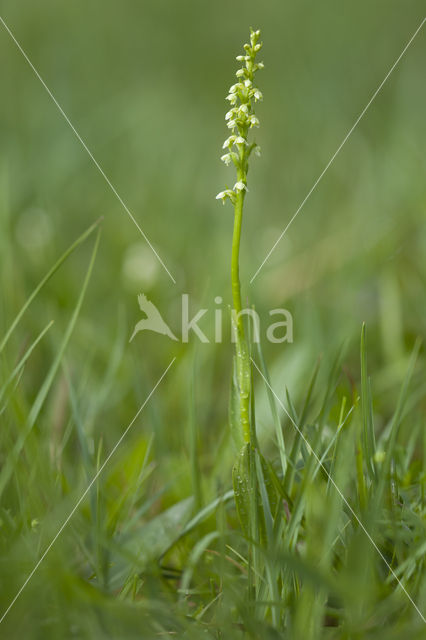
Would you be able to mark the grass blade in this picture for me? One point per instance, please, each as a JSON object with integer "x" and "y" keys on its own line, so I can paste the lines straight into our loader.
{"x": 46, "y": 279}
{"x": 7, "y": 470}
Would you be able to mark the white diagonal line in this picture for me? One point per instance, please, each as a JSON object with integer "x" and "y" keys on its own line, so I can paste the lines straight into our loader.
{"x": 90, "y": 154}
{"x": 339, "y": 148}
{"x": 341, "y": 495}
{"x": 80, "y": 500}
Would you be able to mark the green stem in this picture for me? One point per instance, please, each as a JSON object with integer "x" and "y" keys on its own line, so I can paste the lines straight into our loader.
{"x": 242, "y": 353}
{"x": 235, "y": 263}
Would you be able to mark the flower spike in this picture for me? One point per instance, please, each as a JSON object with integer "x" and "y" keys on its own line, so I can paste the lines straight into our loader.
{"x": 240, "y": 118}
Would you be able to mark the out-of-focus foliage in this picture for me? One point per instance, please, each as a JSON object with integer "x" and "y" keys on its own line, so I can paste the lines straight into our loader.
{"x": 144, "y": 84}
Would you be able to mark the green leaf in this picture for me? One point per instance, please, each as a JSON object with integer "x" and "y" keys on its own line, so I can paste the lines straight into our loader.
{"x": 19, "y": 367}
{"x": 149, "y": 542}
{"x": 200, "y": 517}
{"x": 297, "y": 442}
{"x": 266, "y": 491}
{"x": 256, "y": 497}
{"x": 274, "y": 411}
{"x": 194, "y": 557}
{"x": 241, "y": 484}
{"x": 156, "y": 536}
{"x": 367, "y": 410}
{"x": 394, "y": 428}
{"x": 234, "y": 411}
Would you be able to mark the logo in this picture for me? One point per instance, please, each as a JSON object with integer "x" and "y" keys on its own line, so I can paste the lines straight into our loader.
{"x": 276, "y": 332}
{"x": 153, "y": 320}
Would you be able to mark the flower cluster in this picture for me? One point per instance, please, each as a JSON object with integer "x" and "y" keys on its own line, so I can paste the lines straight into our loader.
{"x": 241, "y": 118}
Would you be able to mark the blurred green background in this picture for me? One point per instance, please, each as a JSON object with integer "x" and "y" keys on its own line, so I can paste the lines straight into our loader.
{"x": 144, "y": 85}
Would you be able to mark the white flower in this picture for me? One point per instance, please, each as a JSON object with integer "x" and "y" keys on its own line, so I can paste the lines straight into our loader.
{"x": 240, "y": 186}
{"x": 232, "y": 98}
{"x": 222, "y": 195}
{"x": 228, "y": 142}
{"x": 260, "y": 65}
{"x": 257, "y": 151}
{"x": 241, "y": 98}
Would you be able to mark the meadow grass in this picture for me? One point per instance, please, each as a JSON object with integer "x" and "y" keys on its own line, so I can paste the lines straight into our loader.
{"x": 321, "y": 536}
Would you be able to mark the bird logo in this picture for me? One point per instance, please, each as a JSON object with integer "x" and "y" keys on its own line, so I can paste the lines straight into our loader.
{"x": 153, "y": 320}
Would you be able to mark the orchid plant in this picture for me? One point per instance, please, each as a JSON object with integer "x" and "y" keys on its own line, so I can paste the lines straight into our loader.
{"x": 240, "y": 119}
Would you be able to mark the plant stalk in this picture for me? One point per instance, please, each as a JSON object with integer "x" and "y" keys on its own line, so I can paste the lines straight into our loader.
{"x": 242, "y": 352}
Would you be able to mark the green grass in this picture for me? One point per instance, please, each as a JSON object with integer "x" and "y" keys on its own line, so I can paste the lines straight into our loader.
{"x": 308, "y": 562}
{"x": 325, "y": 537}
{"x": 329, "y": 538}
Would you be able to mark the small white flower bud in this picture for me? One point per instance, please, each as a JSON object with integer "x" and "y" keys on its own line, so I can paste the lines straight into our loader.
{"x": 240, "y": 186}
{"x": 254, "y": 122}
{"x": 257, "y": 47}
{"x": 240, "y": 140}
{"x": 231, "y": 124}
{"x": 240, "y": 73}
{"x": 257, "y": 95}
{"x": 226, "y": 158}
{"x": 229, "y": 142}
{"x": 240, "y": 58}
{"x": 247, "y": 83}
